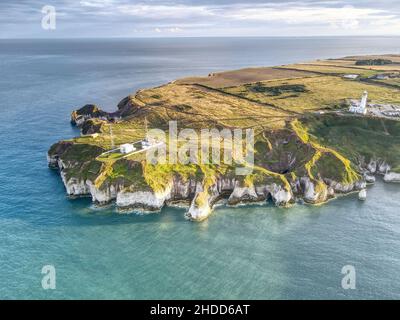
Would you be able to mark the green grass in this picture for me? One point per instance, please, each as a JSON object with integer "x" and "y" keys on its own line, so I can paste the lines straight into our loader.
{"x": 260, "y": 87}
{"x": 85, "y": 170}
{"x": 357, "y": 137}
{"x": 82, "y": 152}
{"x": 316, "y": 93}
{"x": 332, "y": 69}
{"x": 373, "y": 62}
{"x": 340, "y": 168}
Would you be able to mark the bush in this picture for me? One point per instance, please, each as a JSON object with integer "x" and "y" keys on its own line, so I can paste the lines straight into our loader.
{"x": 373, "y": 62}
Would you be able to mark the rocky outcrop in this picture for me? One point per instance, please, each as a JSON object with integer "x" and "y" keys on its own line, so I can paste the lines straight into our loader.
{"x": 244, "y": 195}
{"x": 129, "y": 105}
{"x": 89, "y": 111}
{"x": 198, "y": 213}
{"x": 279, "y": 195}
{"x": 75, "y": 187}
{"x": 381, "y": 167}
{"x": 342, "y": 188}
{"x": 314, "y": 192}
{"x": 369, "y": 178}
{"x": 103, "y": 195}
{"x": 377, "y": 166}
{"x": 392, "y": 177}
{"x": 57, "y": 149}
{"x": 92, "y": 126}
{"x": 202, "y": 203}
{"x": 362, "y": 195}
{"x": 145, "y": 201}
{"x": 372, "y": 166}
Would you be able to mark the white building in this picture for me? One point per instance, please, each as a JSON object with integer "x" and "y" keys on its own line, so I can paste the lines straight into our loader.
{"x": 351, "y": 76}
{"x": 360, "y": 107}
{"x": 127, "y": 148}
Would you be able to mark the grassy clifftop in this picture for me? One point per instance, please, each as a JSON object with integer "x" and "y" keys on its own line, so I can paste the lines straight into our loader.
{"x": 358, "y": 137}
{"x": 293, "y": 139}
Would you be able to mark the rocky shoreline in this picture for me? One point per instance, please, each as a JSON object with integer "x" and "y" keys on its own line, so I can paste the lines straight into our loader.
{"x": 185, "y": 192}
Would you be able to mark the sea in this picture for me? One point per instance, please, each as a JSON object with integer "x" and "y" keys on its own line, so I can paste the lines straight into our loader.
{"x": 249, "y": 252}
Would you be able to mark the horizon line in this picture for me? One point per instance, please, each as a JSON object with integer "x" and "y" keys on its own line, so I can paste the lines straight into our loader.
{"x": 188, "y": 37}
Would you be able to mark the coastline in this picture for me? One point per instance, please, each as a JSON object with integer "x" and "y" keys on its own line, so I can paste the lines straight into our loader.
{"x": 300, "y": 184}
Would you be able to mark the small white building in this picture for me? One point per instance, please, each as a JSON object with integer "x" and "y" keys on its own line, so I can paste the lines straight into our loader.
{"x": 127, "y": 148}
{"x": 360, "y": 107}
{"x": 351, "y": 76}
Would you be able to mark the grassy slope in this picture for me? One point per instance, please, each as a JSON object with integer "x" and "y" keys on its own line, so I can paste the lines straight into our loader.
{"x": 332, "y": 69}
{"x": 320, "y": 92}
{"x": 356, "y": 136}
{"x": 243, "y": 76}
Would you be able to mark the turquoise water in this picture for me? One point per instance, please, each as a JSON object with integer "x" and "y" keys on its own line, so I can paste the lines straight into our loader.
{"x": 246, "y": 252}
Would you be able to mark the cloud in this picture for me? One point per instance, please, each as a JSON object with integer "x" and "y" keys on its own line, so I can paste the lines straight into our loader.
{"x": 174, "y": 30}
{"x": 286, "y": 13}
{"x": 95, "y": 3}
{"x": 169, "y": 30}
{"x": 204, "y": 17}
{"x": 164, "y": 12}
{"x": 301, "y": 14}
{"x": 345, "y": 17}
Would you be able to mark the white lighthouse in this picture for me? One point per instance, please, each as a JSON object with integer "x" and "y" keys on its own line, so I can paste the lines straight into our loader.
{"x": 363, "y": 103}
{"x": 360, "y": 107}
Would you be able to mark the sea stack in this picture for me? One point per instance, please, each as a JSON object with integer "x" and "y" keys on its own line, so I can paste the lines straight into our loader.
{"x": 362, "y": 195}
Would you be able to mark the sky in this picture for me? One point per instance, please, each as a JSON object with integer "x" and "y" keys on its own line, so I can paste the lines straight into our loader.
{"x": 200, "y": 18}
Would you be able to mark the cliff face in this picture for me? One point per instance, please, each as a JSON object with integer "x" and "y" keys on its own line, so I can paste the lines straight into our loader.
{"x": 141, "y": 187}
{"x": 83, "y": 116}
{"x": 178, "y": 190}
{"x": 189, "y": 191}
{"x": 127, "y": 196}
{"x": 381, "y": 167}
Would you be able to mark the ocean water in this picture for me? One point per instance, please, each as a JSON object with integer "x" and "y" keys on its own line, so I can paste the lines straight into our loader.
{"x": 239, "y": 253}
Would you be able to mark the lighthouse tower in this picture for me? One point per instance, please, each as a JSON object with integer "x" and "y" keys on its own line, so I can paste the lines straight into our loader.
{"x": 363, "y": 103}
{"x": 360, "y": 107}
